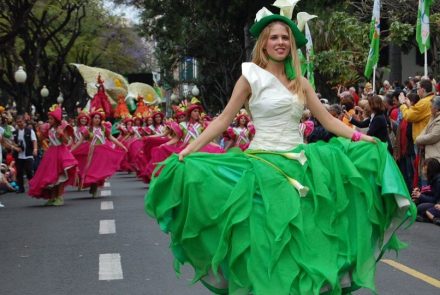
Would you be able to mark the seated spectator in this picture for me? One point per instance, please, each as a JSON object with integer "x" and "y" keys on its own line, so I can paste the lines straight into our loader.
{"x": 426, "y": 199}
{"x": 5, "y": 184}
{"x": 433, "y": 214}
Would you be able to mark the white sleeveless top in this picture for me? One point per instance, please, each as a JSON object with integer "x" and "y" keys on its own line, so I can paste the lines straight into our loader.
{"x": 275, "y": 111}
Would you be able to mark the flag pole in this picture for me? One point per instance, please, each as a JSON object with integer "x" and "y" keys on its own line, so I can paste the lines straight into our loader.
{"x": 374, "y": 79}
{"x": 426, "y": 62}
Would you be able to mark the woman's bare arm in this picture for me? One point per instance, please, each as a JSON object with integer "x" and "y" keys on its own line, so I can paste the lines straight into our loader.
{"x": 329, "y": 122}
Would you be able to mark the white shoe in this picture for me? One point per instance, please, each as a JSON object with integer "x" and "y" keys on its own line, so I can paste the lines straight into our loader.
{"x": 1, "y": 205}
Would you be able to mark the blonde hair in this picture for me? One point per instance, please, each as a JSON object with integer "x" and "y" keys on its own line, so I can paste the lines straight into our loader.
{"x": 260, "y": 58}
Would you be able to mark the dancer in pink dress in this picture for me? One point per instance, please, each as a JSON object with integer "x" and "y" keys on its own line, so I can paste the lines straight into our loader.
{"x": 158, "y": 135}
{"x": 81, "y": 145}
{"x": 135, "y": 148}
{"x": 58, "y": 166}
{"x": 103, "y": 158}
{"x": 182, "y": 135}
{"x": 242, "y": 134}
{"x": 126, "y": 137}
{"x": 158, "y": 126}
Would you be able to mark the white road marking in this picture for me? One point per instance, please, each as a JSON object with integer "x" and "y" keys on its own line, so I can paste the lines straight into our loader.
{"x": 107, "y": 227}
{"x": 110, "y": 267}
{"x": 106, "y": 193}
{"x": 107, "y": 205}
{"x": 106, "y": 184}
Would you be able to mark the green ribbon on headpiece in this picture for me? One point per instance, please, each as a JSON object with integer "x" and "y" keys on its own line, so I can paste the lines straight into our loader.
{"x": 288, "y": 67}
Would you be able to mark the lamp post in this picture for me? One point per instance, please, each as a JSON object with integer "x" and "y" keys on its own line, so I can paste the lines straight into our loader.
{"x": 60, "y": 99}
{"x": 20, "y": 77}
{"x": 195, "y": 91}
{"x": 44, "y": 92}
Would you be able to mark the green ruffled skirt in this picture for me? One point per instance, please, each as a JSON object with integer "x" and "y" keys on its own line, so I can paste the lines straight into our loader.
{"x": 269, "y": 223}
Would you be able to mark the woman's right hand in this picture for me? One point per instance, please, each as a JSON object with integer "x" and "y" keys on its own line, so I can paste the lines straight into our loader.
{"x": 185, "y": 152}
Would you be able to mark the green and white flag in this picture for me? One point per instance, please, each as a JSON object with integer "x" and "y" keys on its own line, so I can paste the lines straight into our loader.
{"x": 422, "y": 32}
{"x": 373, "y": 55}
{"x": 310, "y": 54}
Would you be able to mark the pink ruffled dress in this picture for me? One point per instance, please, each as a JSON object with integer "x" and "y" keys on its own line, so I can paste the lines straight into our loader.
{"x": 149, "y": 142}
{"x": 103, "y": 159}
{"x": 82, "y": 151}
{"x": 58, "y": 166}
{"x": 127, "y": 138}
{"x": 135, "y": 148}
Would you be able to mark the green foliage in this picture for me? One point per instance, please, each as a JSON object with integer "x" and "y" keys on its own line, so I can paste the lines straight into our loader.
{"x": 401, "y": 33}
{"x": 341, "y": 47}
{"x": 211, "y": 31}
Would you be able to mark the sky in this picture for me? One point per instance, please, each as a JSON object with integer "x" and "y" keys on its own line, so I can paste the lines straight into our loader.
{"x": 130, "y": 12}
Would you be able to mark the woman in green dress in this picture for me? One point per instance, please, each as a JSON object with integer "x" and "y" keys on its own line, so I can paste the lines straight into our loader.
{"x": 282, "y": 217}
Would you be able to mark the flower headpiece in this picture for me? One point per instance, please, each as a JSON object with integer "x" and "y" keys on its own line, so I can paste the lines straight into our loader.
{"x": 127, "y": 118}
{"x": 264, "y": 17}
{"x": 157, "y": 111}
{"x": 179, "y": 110}
{"x": 99, "y": 112}
{"x": 138, "y": 116}
{"x": 194, "y": 104}
{"x": 55, "y": 112}
{"x": 83, "y": 114}
{"x": 242, "y": 114}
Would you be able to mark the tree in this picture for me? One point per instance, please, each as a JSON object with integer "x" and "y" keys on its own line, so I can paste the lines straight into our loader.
{"x": 40, "y": 43}
{"x": 214, "y": 32}
{"x": 45, "y": 36}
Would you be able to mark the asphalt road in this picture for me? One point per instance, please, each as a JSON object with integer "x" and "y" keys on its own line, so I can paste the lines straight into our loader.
{"x": 66, "y": 250}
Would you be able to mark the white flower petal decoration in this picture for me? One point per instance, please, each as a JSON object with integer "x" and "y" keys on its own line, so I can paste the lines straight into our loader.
{"x": 286, "y": 7}
{"x": 302, "y": 190}
{"x": 262, "y": 13}
{"x": 300, "y": 157}
{"x": 302, "y": 18}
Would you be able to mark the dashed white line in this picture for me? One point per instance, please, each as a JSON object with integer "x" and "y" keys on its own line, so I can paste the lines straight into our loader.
{"x": 107, "y": 227}
{"x": 107, "y": 205}
{"x": 106, "y": 184}
{"x": 110, "y": 267}
{"x": 106, "y": 193}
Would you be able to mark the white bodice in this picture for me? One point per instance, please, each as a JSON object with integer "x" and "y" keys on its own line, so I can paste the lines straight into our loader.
{"x": 275, "y": 111}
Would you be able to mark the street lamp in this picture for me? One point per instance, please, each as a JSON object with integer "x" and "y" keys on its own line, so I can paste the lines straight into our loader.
{"x": 195, "y": 91}
{"x": 60, "y": 99}
{"x": 44, "y": 92}
{"x": 20, "y": 77}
